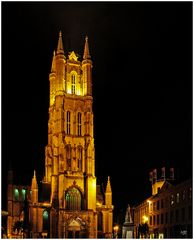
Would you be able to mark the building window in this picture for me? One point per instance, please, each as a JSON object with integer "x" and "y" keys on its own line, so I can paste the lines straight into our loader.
{"x": 158, "y": 220}
{"x": 177, "y": 216}
{"x": 158, "y": 205}
{"x": 68, "y": 156}
{"x": 162, "y": 218}
{"x": 73, "y": 83}
{"x": 189, "y": 212}
{"x": 166, "y": 201}
{"x": 177, "y": 198}
{"x": 79, "y": 159}
{"x": 73, "y": 199}
{"x": 171, "y": 217}
{"x": 45, "y": 220}
{"x": 79, "y": 121}
{"x": 154, "y": 220}
{"x": 23, "y": 194}
{"x": 150, "y": 220}
{"x": 154, "y": 206}
{"x": 183, "y": 214}
{"x": 162, "y": 203}
{"x": 172, "y": 200}
{"x": 166, "y": 218}
{"x": 190, "y": 193}
{"x": 16, "y": 194}
{"x": 68, "y": 122}
{"x": 184, "y": 195}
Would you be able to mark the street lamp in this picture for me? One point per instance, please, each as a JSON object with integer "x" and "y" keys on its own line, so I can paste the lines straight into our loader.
{"x": 116, "y": 229}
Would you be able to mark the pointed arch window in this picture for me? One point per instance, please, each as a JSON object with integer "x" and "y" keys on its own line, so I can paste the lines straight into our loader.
{"x": 45, "y": 220}
{"x": 79, "y": 158}
{"x": 23, "y": 194}
{"x": 73, "y": 199}
{"x": 16, "y": 194}
{"x": 73, "y": 83}
{"x": 79, "y": 122}
{"x": 68, "y": 122}
{"x": 68, "y": 156}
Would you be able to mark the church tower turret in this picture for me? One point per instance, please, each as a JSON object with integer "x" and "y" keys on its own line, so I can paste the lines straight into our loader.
{"x": 34, "y": 189}
{"x": 70, "y": 164}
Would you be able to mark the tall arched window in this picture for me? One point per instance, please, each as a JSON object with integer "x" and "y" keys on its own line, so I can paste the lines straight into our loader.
{"x": 79, "y": 157}
{"x": 23, "y": 194}
{"x": 68, "y": 122}
{"x": 73, "y": 199}
{"x": 79, "y": 123}
{"x": 45, "y": 220}
{"x": 68, "y": 156}
{"x": 16, "y": 194}
{"x": 73, "y": 83}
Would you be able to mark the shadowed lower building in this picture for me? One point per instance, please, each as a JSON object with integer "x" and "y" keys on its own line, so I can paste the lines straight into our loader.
{"x": 168, "y": 212}
{"x": 68, "y": 203}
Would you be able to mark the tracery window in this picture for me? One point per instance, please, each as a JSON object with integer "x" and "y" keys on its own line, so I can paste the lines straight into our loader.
{"x": 73, "y": 83}
{"x": 23, "y": 194}
{"x": 79, "y": 158}
{"x": 79, "y": 122}
{"x": 45, "y": 220}
{"x": 68, "y": 156}
{"x": 68, "y": 122}
{"x": 73, "y": 199}
{"x": 16, "y": 194}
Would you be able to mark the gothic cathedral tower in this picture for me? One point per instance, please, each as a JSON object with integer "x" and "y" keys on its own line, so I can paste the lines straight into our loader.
{"x": 70, "y": 153}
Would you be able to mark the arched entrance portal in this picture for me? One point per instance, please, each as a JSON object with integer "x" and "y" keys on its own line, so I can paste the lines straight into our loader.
{"x": 76, "y": 229}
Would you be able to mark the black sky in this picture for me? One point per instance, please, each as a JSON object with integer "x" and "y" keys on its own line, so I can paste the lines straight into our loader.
{"x": 142, "y": 87}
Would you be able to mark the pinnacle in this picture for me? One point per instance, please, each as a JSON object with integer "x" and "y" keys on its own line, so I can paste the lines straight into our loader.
{"x": 86, "y": 49}
{"x": 60, "y": 44}
{"x": 108, "y": 186}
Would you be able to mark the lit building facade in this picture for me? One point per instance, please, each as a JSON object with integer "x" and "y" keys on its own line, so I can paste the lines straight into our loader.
{"x": 69, "y": 203}
{"x": 168, "y": 212}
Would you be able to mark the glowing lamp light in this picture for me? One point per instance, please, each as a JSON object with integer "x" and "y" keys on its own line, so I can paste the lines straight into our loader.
{"x": 116, "y": 229}
{"x": 145, "y": 219}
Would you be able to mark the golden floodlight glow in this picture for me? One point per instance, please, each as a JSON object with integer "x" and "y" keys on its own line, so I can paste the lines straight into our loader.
{"x": 68, "y": 89}
{"x": 145, "y": 219}
{"x": 116, "y": 228}
{"x": 148, "y": 201}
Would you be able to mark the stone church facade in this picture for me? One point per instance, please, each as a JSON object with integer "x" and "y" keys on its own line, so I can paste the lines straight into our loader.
{"x": 67, "y": 203}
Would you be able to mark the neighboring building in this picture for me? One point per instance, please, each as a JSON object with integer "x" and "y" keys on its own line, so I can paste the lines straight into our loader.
{"x": 168, "y": 212}
{"x": 68, "y": 203}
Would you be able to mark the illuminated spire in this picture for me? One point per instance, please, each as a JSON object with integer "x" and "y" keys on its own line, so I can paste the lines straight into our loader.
{"x": 53, "y": 67}
{"x": 86, "y": 50}
{"x": 34, "y": 182}
{"x": 108, "y": 186}
{"x": 60, "y": 44}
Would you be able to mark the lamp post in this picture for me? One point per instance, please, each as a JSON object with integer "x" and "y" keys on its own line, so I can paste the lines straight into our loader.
{"x": 116, "y": 229}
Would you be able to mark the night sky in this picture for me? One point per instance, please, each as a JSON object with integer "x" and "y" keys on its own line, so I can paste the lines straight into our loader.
{"x": 142, "y": 88}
